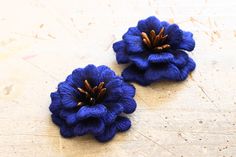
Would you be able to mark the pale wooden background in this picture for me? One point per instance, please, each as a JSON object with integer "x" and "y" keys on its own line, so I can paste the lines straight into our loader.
{"x": 42, "y": 41}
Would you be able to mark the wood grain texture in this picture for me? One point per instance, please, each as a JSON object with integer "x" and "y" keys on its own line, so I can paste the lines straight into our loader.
{"x": 42, "y": 41}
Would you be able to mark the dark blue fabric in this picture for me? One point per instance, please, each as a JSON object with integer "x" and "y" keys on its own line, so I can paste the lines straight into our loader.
{"x": 102, "y": 120}
{"x": 146, "y": 66}
{"x": 120, "y": 125}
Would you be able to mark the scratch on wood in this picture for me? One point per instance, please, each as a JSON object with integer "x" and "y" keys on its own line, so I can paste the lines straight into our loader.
{"x": 37, "y": 67}
{"x": 29, "y": 57}
{"x": 51, "y": 36}
{"x": 156, "y": 143}
{"x": 8, "y": 89}
{"x": 205, "y": 93}
{"x": 41, "y": 26}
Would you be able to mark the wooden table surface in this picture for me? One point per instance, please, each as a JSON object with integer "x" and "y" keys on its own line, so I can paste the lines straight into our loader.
{"x": 42, "y": 41}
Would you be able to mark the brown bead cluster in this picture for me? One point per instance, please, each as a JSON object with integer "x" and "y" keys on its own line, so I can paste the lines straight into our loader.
{"x": 155, "y": 42}
{"x": 92, "y": 94}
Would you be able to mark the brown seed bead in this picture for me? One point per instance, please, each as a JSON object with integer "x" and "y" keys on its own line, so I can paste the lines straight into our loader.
{"x": 92, "y": 94}
{"x": 155, "y": 41}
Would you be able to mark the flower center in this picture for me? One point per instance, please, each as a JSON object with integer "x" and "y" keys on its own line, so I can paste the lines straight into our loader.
{"x": 155, "y": 42}
{"x": 91, "y": 95}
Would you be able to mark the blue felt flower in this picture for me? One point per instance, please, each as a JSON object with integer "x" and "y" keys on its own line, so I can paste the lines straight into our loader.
{"x": 91, "y": 101}
{"x": 155, "y": 50}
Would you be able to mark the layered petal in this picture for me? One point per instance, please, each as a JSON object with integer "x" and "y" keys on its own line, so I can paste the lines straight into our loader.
{"x": 151, "y": 23}
{"x": 91, "y": 74}
{"x": 71, "y": 119}
{"x": 115, "y": 83}
{"x": 188, "y": 42}
{"x": 113, "y": 95}
{"x": 122, "y": 124}
{"x": 78, "y": 77}
{"x": 164, "y": 24}
{"x": 92, "y": 126}
{"x": 134, "y": 44}
{"x": 113, "y": 110}
{"x": 180, "y": 58}
{"x": 56, "y": 103}
{"x": 65, "y": 113}
{"x": 161, "y": 72}
{"x": 66, "y": 131}
{"x": 107, "y": 75}
{"x": 174, "y": 35}
{"x": 128, "y": 104}
{"x": 140, "y": 61}
{"x": 91, "y": 111}
{"x": 128, "y": 90}
{"x": 68, "y": 95}
{"x": 170, "y": 71}
{"x": 133, "y": 73}
{"x": 102, "y": 68}
{"x": 108, "y": 133}
{"x": 121, "y": 54}
{"x": 161, "y": 58}
{"x": 57, "y": 120}
{"x": 189, "y": 67}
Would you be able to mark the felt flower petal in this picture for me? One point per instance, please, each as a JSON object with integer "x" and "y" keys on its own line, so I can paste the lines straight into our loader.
{"x": 69, "y": 116}
{"x": 160, "y": 58}
{"x": 69, "y": 81}
{"x": 132, "y": 73}
{"x": 128, "y": 90}
{"x": 57, "y": 120}
{"x": 56, "y": 103}
{"x": 71, "y": 119}
{"x": 174, "y": 35}
{"x": 91, "y": 111}
{"x": 134, "y": 44}
{"x": 142, "y": 26}
{"x": 128, "y": 104}
{"x": 66, "y": 131}
{"x": 114, "y": 89}
{"x": 122, "y": 124}
{"x": 115, "y": 83}
{"x": 180, "y": 58}
{"x": 169, "y": 72}
{"x": 189, "y": 67}
{"x": 91, "y": 74}
{"x": 188, "y": 42}
{"x": 164, "y": 24}
{"x": 93, "y": 126}
{"x": 108, "y": 134}
{"x": 102, "y": 68}
{"x": 121, "y": 54}
{"x": 139, "y": 61}
{"x": 113, "y": 110}
{"x": 114, "y": 95}
{"x": 68, "y": 95}
{"x": 107, "y": 75}
{"x": 78, "y": 77}
{"x": 151, "y": 23}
